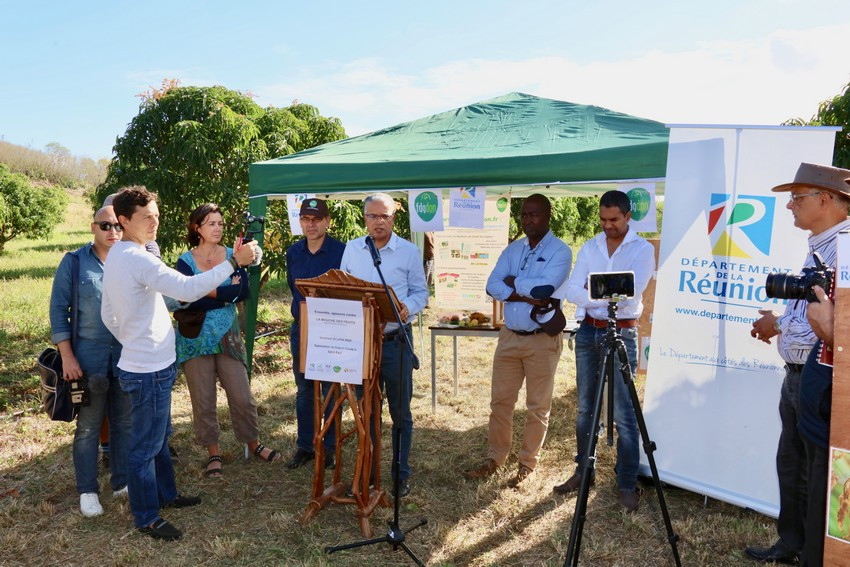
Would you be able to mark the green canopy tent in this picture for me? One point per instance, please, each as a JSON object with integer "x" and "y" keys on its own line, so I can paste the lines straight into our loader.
{"x": 521, "y": 143}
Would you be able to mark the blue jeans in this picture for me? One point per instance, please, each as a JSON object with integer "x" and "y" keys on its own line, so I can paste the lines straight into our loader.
{"x": 116, "y": 405}
{"x": 304, "y": 400}
{"x": 150, "y": 474}
{"x": 588, "y": 359}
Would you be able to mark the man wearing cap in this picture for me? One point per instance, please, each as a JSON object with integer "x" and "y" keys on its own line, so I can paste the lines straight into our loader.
{"x": 818, "y": 201}
{"x": 617, "y": 248}
{"x": 524, "y": 353}
{"x": 311, "y": 256}
{"x": 401, "y": 265}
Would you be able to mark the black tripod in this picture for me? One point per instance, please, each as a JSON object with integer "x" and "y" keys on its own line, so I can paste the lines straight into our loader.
{"x": 395, "y": 535}
{"x": 612, "y": 343}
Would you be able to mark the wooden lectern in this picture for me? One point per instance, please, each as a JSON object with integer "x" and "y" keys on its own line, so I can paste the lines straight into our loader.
{"x": 366, "y": 491}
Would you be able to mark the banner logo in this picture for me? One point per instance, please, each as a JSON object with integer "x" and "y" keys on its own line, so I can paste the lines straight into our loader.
{"x": 467, "y": 192}
{"x": 502, "y": 204}
{"x": 640, "y": 200}
{"x": 742, "y": 227}
{"x": 425, "y": 205}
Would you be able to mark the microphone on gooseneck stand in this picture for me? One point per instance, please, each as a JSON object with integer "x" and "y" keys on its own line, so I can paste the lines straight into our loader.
{"x": 376, "y": 256}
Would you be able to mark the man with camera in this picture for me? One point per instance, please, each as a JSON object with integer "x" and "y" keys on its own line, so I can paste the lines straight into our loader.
{"x": 525, "y": 351}
{"x": 92, "y": 359}
{"x": 134, "y": 311}
{"x": 818, "y": 201}
{"x": 617, "y": 248}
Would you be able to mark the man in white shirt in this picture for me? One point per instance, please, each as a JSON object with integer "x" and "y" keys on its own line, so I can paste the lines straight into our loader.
{"x": 616, "y": 249}
{"x": 401, "y": 265}
{"x": 134, "y": 311}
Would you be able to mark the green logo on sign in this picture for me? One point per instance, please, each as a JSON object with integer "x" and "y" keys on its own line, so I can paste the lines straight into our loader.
{"x": 337, "y": 369}
{"x": 425, "y": 205}
{"x": 640, "y": 199}
{"x": 502, "y": 204}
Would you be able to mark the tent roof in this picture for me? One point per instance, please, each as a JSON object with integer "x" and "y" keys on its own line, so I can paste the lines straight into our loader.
{"x": 513, "y": 140}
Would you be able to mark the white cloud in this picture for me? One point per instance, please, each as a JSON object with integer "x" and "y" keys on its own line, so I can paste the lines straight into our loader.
{"x": 757, "y": 81}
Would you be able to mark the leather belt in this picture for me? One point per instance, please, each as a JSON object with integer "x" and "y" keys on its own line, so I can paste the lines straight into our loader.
{"x": 526, "y": 333}
{"x": 395, "y": 333}
{"x": 602, "y": 323}
{"x": 797, "y": 368}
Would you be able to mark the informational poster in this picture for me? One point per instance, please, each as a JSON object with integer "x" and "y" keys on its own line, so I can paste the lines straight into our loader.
{"x": 466, "y": 207}
{"x": 335, "y": 343}
{"x": 842, "y": 272}
{"x": 464, "y": 258}
{"x": 426, "y": 210}
{"x": 293, "y": 206}
{"x": 712, "y": 391}
{"x": 642, "y": 198}
{"x": 838, "y": 496}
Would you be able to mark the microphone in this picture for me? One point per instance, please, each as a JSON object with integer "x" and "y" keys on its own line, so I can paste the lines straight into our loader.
{"x": 376, "y": 256}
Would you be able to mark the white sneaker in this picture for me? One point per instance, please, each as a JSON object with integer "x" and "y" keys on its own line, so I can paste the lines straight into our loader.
{"x": 122, "y": 493}
{"x": 90, "y": 505}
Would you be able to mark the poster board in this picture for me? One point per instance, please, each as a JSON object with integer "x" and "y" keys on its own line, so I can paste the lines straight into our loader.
{"x": 712, "y": 391}
{"x": 464, "y": 257}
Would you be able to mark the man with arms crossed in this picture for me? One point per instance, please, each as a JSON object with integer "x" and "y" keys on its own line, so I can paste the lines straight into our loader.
{"x": 134, "y": 311}
{"x": 617, "y": 248}
{"x": 401, "y": 265}
{"x": 524, "y": 353}
{"x": 818, "y": 202}
{"x": 311, "y": 256}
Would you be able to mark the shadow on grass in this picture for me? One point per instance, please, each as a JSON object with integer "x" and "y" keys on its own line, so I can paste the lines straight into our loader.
{"x": 33, "y": 272}
{"x": 56, "y": 247}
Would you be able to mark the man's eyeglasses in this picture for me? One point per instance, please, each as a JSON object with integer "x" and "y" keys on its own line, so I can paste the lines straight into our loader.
{"x": 371, "y": 217}
{"x": 796, "y": 198}
{"x": 311, "y": 220}
{"x": 107, "y": 226}
{"x": 527, "y": 258}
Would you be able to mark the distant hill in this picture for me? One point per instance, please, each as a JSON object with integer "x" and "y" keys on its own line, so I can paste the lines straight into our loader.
{"x": 55, "y": 165}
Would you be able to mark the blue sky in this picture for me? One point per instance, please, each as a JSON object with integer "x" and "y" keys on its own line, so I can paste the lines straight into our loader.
{"x": 71, "y": 71}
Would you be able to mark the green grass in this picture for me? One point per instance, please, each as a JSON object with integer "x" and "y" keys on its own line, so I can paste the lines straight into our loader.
{"x": 251, "y": 516}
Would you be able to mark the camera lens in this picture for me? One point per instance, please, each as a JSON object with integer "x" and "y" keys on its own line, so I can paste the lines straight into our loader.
{"x": 785, "y": 286}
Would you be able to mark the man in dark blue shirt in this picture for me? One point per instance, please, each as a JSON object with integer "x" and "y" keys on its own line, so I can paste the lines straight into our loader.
{"x": 311, "y": 256}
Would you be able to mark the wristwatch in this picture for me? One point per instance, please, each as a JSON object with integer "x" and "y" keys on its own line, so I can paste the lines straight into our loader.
{"x": 776, "y": 327}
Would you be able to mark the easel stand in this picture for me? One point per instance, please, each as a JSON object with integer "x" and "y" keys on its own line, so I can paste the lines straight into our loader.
{"x": 395, "y": 535}
{"x": 613, "y": 343}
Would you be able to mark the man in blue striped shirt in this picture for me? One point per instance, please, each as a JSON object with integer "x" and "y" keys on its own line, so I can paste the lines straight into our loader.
{"x": 819, "y": 206}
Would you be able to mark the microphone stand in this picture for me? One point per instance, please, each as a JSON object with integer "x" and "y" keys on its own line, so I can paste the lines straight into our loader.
{"x": 395, "y": 535}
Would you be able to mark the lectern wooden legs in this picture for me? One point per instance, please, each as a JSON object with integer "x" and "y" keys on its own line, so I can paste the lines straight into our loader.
{"x": 365, "y": 486}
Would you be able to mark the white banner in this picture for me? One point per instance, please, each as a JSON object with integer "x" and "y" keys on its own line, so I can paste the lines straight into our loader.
{"x": 293, "y": 207}
{"x": 464, "y": 258}
{"x": 712, "y": 391}
{"x": 334, "y": 340}
{"x": 426, "y": 210}
{"x": 642, "y": 198}
{"x": 842, "y": 272}
{"x": 466, "y": 207}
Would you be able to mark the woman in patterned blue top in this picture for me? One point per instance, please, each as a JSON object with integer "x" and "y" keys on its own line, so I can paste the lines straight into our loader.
{"x": 209, "y": 343}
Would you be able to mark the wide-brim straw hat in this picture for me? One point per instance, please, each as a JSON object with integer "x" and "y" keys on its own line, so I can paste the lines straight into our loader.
{"x": 823, "y": 177}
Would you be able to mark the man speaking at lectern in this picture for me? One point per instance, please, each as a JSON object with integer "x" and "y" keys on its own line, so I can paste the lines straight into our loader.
{"x": 401, "y": 265}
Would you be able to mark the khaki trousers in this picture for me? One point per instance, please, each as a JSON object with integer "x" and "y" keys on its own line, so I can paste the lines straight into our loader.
{"x": 200, "y": 377}
{"x": 534, "y": 359}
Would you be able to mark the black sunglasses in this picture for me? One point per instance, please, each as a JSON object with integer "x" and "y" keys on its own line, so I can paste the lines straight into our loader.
{"x": 107, "y": 226}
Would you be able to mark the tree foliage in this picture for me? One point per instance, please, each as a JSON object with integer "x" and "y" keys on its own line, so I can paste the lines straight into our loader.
{"x": 833, "y": 112}
{"x": 573, "y": 218}
{"x": 193, "y": 145}
{"x": 27, "y": 211}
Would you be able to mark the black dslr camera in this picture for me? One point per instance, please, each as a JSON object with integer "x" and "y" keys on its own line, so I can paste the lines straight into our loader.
{"x": 793, "y": 286}
{"x": 253, "y": 225}
{"x": 608, "y": 285}
{"x": 79, "y": 390}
